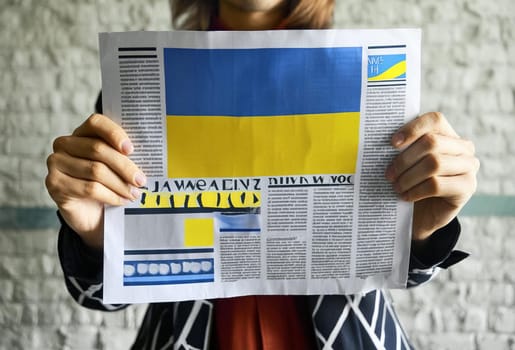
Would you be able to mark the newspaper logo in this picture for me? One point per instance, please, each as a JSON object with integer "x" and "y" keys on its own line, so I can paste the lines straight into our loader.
{"x": 386, "y": 67}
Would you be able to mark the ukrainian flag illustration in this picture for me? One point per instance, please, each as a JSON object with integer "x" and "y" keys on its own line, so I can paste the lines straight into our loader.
{"x": 386, "y": 67}
{"x": 262, "y": 112}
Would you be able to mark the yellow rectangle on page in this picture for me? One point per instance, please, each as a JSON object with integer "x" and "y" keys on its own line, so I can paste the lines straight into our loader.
{"x": 219, "y": 146}
{"x": 199, "y": 232}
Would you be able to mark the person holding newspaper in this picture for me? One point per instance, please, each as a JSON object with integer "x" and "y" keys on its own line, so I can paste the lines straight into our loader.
{"x": 435, "y": 169}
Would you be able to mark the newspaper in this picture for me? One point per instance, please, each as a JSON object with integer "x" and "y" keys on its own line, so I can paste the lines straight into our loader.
{"x": 265, "y": 155}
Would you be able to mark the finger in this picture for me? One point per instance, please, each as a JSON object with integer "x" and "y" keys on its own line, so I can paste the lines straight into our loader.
{"x": 457, "y": 189}
{"x": 63, "y": 188}
{"x": 98, "y": 151}
{"x": 431, "y": 166}
{"x": 100, "y": 126}
{"x": 89, "y": 170}
{"x": 427, "y": 145}
{"x": 429, "y": 123}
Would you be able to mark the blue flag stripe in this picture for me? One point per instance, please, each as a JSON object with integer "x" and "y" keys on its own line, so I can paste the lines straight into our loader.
{"x": 254, "y": 82}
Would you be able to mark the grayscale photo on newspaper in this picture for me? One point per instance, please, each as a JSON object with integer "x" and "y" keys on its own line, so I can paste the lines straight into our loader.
{"x": 265, "y": 154}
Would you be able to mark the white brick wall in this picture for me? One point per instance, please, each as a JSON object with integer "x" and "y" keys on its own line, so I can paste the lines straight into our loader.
{"x": 471, "y": 305}
{"x": 49, "y": 82}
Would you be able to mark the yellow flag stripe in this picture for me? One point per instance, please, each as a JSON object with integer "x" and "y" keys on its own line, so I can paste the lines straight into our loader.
{"x": 220, "y": 146}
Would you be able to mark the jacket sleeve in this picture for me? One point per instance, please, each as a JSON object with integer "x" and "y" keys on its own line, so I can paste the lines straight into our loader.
{"x": 83, "y": 270}
{"x": 438, "y": 254}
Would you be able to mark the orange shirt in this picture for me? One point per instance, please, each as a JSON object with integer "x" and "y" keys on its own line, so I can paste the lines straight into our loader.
{"x": 271, "y": 322}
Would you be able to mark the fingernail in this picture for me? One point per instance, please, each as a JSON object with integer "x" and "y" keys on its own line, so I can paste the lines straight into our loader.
{"x": 398, "y": 139}
{"x": 127, "y": 147}
{"x": 135, "y": 192}
{"x": 140, "y": 179}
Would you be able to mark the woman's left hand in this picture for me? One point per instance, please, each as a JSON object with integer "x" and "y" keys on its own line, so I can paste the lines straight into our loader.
{"x": 436, "y": 170}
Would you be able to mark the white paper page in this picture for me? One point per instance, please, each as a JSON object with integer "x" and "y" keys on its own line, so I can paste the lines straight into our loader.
{"x": 265, "y": 155}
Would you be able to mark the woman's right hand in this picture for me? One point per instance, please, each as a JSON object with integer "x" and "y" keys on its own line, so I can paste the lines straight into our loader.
{"x": 88, "y": 169}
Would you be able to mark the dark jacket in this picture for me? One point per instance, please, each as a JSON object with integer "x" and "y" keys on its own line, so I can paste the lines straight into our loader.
{"x": 364, "y": 321}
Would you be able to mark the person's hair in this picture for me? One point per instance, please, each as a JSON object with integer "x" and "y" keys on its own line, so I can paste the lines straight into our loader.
{"x": 303, "y": 14}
